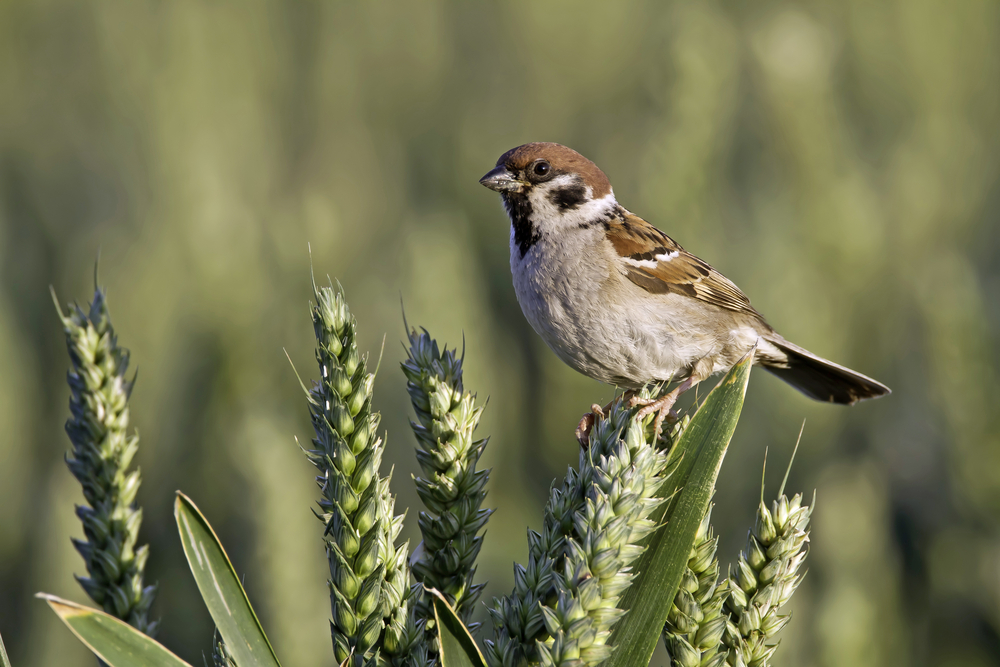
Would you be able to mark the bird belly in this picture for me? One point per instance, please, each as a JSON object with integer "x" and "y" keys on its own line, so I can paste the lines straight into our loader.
{"x": 625, "y": 342}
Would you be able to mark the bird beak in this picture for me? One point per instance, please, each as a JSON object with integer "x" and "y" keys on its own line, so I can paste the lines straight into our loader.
{"x": 501, "y": 180}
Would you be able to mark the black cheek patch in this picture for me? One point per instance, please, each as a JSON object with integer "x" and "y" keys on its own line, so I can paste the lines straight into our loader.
{"x": 569, "y": 197}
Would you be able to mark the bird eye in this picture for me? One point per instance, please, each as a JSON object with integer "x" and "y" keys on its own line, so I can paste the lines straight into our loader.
{"x": 541, "y": 168}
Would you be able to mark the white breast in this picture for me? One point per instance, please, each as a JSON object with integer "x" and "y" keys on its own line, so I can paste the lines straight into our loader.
{"x": 575, "y": 297}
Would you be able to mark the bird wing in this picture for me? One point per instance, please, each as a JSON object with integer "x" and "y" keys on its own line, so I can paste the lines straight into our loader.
{"x": 656, "y": 263}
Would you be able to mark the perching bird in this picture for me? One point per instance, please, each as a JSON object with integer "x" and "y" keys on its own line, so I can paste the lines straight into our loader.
{"x": 622, "y": 302}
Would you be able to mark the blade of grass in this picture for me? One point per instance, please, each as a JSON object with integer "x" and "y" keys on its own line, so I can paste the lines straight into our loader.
{"x": 115, "y": 642}
{"x": 221, "y": 589}
{"x": 4, "y": 660}
{"x": 658, "y": 572}
{"x": 458, "y": 648}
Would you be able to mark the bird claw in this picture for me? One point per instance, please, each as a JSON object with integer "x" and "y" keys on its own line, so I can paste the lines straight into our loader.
{"x": 636, "y": 400}
{"x": 587, "y": 423}
{"x": 660, "y": 406}
{"x": 669, "y": 416}
{"x": 596, "y": 411}
{"x": 584, "y": 427}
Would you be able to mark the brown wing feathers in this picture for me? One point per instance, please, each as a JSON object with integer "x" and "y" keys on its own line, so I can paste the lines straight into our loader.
{"x": 658, "y": 264}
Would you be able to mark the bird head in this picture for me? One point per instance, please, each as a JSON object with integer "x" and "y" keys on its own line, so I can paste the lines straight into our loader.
{"x": 547, "y": 186}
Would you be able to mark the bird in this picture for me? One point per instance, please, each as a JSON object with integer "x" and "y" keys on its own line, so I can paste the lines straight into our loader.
{"x": 621, "y": 302}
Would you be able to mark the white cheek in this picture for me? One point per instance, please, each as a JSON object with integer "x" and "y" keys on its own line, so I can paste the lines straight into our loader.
{"x": 550, "y": 218}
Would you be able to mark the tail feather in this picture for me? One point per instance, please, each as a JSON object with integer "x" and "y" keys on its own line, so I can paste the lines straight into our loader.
{"x": 820, "y": 379}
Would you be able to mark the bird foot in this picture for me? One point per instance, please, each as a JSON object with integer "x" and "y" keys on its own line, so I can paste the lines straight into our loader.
{"x": 589, "y": 419}
{"x": 661, "y": 406}
{"x": 587, "y": 423}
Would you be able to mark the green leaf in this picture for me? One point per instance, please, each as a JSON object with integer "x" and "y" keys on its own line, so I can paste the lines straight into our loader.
{"x": 220, "y": 588}
{"x": 115, "y": 642}
{"x": 4, "y": 660}
{"x": 701, "y": 447}
{"x": 458, "y": 648}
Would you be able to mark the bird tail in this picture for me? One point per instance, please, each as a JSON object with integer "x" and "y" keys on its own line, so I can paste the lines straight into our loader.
{"x": 820, "y": 379}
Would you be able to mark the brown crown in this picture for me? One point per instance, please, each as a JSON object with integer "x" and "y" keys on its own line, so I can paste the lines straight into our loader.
{"x": 563, "y": 160}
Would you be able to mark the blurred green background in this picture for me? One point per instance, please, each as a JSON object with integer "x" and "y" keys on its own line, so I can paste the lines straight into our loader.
{"x": 838, "y": 159}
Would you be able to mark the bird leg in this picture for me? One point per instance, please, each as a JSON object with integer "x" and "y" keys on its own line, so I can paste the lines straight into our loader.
{"x": 589, "y": 419}
{"x": 661, "y": 406}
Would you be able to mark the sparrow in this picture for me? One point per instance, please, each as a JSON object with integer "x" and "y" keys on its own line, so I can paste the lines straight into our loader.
{"x": 623, "y": 303}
